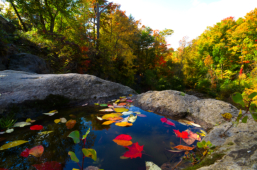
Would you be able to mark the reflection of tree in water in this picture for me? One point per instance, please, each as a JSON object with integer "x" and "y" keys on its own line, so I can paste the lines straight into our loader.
{"x": 56, "y": 145}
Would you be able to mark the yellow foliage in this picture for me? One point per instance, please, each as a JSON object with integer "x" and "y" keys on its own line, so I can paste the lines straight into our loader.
{"x": 227, "y": 116}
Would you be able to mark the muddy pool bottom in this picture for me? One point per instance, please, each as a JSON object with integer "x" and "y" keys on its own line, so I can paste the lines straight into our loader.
{"x": 154, "y": 136}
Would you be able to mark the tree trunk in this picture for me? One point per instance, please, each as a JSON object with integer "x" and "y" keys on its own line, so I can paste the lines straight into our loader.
{"x": 23, "y": 25}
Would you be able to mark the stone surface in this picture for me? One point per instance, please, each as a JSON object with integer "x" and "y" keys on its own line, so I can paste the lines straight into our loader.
{"x": 207, "y": 112}
{"x": 18, "y": 86}
{"x": 28, "y": 62}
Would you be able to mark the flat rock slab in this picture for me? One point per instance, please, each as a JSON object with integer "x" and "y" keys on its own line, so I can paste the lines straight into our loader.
{"x": 18, "y": 86}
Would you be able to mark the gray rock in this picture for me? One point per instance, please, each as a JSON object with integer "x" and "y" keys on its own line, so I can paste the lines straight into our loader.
{"x": 18, "y": 86}
{"x": 171, "y": 102}
{"x": 28, "y": 62}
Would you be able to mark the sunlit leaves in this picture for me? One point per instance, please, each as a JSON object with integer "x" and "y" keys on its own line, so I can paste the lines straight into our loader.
{"x": 123, "y": 124}
{"x": 89, "y": 153}
{"x": 12, "y": 144}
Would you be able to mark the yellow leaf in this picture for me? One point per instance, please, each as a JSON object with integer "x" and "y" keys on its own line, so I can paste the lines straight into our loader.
{"x": 117, "y": 101}
{"x": 111, "y": 115}
{"x": 108, "y": 122}
{"x": 122, "y": 142}
{"x": 120, "y": 109}
{"x": 28, "y": 120}
{"x": 123, "y": 97}
{"x": 205, "y": 152}
{"x": 107, "y": 110}
{"x": 123, "y": 157}
{"x": 13, "y": 144}
{"x": 130, "y": 95}
{"x": 123, "y": 124}
{"x": 53, "y": 111}
{"x": 45, "y": 132}
{"x": 96, "y": 103}
{"x": 75, "y": 169}
{"x": 57, "y": 120}
{"x": 227, "y": 116}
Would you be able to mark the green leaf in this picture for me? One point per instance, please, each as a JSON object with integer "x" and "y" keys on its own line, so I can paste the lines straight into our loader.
{"x": 235, "y": 123}
{"x": 242, "y": 103}
{"x": 237, "y": 97}
{"x": 199, "y": 145}
{"x": 252, "y": 95}
{"x": 103, "y": 105}
{"x": 209, "y": 144}
{"x": 84, "y": 136}
{"x": 253, "y": 108}
{"x": 182, "y": 94}
{"x": 89, "y": 153}
{"x": 13, "y": 144}
{"x": 75, "y": 136}
{"x": 73, "y": 156}
{"x": 244, "y": 120}
{"x": 254, "y": 115}
{"x": 239, "y": 117}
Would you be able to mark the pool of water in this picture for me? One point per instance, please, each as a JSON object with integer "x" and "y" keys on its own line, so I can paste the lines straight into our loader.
{"x": 155, "y": 136}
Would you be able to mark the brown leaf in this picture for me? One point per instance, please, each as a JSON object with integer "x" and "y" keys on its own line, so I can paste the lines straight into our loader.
{"x": 70, "y": 124}
{"x": 182, "y": 147}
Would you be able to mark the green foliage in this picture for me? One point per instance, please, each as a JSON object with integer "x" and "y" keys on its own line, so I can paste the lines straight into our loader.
{"x": 7, "y": 121}
{"x": 206, "y": 146}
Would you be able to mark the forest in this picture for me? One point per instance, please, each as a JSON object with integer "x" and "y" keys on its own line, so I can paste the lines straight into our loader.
{"x": 96, "y": 37}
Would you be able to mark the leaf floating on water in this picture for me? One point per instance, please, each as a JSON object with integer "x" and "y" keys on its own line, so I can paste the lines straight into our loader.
{"x": 57, "y": 120}
{"x": 13, "y": 144}
{"x": 25, "y": 153}
{"x": 176, "y": 151}
{"x": 21, "y": 124}
{"x": 103, "y": 105}
{"x": 99, "y": 118}
{"x": 28, "y": 120}
{"x": 151, "y": 166}
{"x": 132, "y": 118}
{"x": 125, "y": 119}
{"x": 123, "y": 100}
{"x": 9, "y": 130}
{"x": 96, "y": 104}
{"x": 122, "y": 142}
{"x": 130, "y": 101}
{"x": 120, "y": 110}
{"x": 53, "y": 165}
{"x": 63, "y": 120}
{"x": 122, "y": 97}
{"x": 37, "y": 151}
{"x": 186, "y": 122}
{"x": 2, "y": 133}
{"x": 106, "y": 110}
{"x": 111, "y": 115}
{"x": 36, "y": 127}
{"x": 193, "y": 135}
{"x": 84, "y": 104}
{"x": 141, "y": 115}
{"x": 123, "y": 137}
{"x": 45, "y": 132}
{"x": 122, "y": 104}
{"x": 203, "y": 133}
{"x": 149, "y": 111}
{"x": 70, "y": 124}
{"x": 134, "y": 151}
{"x": 108, "y": 122}
{"x": 137, "y": 113}
{"x": 117, "y": 101}
{"x": 123, "y": 124}
{"x": 179, "y": 134}
{"x": 127, "y": 113}
{"x": 114, "y": 118}
{"x": 189, "y": 141}
{"x": 53, "y": 111}
{"x": 123, "y": 157}
{"x": 49, "y": 114}
{"x": 182, "y": 147}
{"x": 165, "y": 120}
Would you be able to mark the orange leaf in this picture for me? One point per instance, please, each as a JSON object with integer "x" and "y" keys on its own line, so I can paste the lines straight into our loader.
{"x": 70, "y": 124}
{"x": 122, "y": 104}
{"x": 182, "y": 147}
{"x": 122, "y": 142}
{"x": 114, "y": 118}
{"x": 123, "y": 124}
{"x": 108, "y": 122}
{"x": 37, "y": 151}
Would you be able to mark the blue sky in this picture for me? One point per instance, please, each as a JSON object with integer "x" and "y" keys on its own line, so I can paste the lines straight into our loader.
{"x": 186, "y": 17}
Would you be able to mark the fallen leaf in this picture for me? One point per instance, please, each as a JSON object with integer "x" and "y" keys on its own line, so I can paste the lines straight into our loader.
{"x": 137, "y": 113}
{"x": 122, "y": 142}
{"x": 9, "y": 130}
{"x": 130, "y": 101}
{"x": 114, "y": 118}
{"x": 25, "y": 153}
{"x": 182, "y": 147}
{"x": 149, "y": 111}
{"x": 189, "y": 141}
{"x": 193, "y": 135}
{"x": 49, "y": 114}
{"x": 28, "y": 120}
{"x": 183, "y": 135}
{"x": 130, "y": 95}
{"x": 117, "y": 101}
{"x": 111, "y": 115}
{"x": 99, "y": 118}
{"x": 120, "y": 109}
{"x": 151, "y": 166}
{"x": 45, "y": 132}
{"x": 2, "y": 133}
{"x": 176, "y": 151}
{"x": 53, "y": 165}
{"x": 37, "y": 151}
{"x": 123, "y": 100}
{"x": 13, "y": 144}
{"x": 108, "y": 122}
{"x": 106, "y": 110}
{"x": 21, "y": 124}
{"x": 123, "y": 157}
{"x": 36, "y": 127}
{"x": 134, "y": 151}
{"x": 203, "y": 133}
{"x": 57, "y": 120}
{"x": 63, "y": 120}
{"x": 132, "y": 118}
{"x": 123, "y": 137}
{"x": 165, "y": 120}
{"x": 122, "y": 104}
{"x": 70, "y": 124}
{"x": 53, "y": 111}
{"x": 123, "y": 124}
{"x": 122, "y": 97}
{"x": 142, "y": 115}
{"x": 103, "y": 105}
{"x": 127, "y": 113}
{"x": 84, "y": 104}
{"x": 96, "y": 104}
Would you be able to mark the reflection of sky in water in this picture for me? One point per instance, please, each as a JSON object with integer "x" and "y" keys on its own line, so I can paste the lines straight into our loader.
{"x": 148, "y": 131}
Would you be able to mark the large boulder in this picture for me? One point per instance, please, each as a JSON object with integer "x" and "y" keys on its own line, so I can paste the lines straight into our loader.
{"x": 18, "y": 86}
{"x": 177, "y": 104}
{"x": 28, "y": 62}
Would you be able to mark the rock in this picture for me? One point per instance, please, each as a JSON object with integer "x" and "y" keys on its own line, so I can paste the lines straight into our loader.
{"x": 176, "y": 104}
{"x": 18, "y": 87}
{"x": 27, "y": 62}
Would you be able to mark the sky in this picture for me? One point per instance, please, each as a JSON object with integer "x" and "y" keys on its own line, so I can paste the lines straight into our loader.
{"x": 185, "y": 17}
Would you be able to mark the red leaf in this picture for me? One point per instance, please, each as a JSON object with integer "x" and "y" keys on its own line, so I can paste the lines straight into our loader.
{"x": 53, "y": 165}
{"x": 165, "y": 120}
{"x": 123, "y": 137}
{"x": 183, "y": 134}
{"x": 36, "y": 151}
{"x": 36, "y": 127}
{"x": 3, "y": 169}
{"x": 134, "y": 151}
{"x": 25, "y": 153}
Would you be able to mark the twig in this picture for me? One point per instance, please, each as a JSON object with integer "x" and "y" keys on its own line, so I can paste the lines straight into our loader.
{"x": 177, "y": 164}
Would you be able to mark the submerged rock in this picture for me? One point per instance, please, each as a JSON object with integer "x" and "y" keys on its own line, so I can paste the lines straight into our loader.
{"x": 18, "y": 86}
